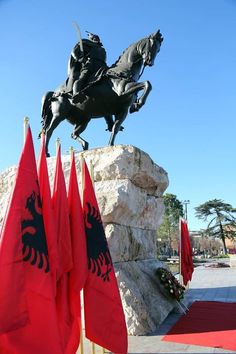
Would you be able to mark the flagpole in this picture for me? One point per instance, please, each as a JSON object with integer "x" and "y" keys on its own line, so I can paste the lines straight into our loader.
{"x": 92, "y": 348}
{"x": 92, "y": 179}
{"x": 180, "y": 253}
{"x": 82, "y": 322}
{"x": 81, "y": 159}
{"x": 187, "y": 285}
{"x": 182, "y": 308}
{"x": 91, "y": 171}
{"x": 26, "y": 126}
{"x": 71, "y": 153}
{"x": 81, "y": 347}
{"x": 58, "y": 143}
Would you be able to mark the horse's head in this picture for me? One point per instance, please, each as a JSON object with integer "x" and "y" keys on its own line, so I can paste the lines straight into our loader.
{"x": 151, "y": 46}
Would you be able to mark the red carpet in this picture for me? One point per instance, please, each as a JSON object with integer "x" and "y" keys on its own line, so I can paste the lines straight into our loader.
{"x": 208, "y": 324}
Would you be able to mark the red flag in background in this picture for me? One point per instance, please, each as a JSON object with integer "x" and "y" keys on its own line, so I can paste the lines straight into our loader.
{"x": 104, "y": 316}
{"x": 79, "y": 272}
{"x": 186, "y": 253}
{"x": 47, "y": 211}
{"x": 61, "y": 217}
{"x": 28, "y": 319}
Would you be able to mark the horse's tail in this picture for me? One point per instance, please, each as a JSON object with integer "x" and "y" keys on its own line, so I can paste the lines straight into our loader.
{"x": 46, "y": 111}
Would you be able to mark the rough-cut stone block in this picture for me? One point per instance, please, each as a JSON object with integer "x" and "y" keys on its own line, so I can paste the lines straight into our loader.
{"x": 120, "y": 201}
{"x": 144, "y": 305}
{"x": 127, "y": 162}
{"x": 129, "y": 243}
{"x": 7, "y": 181}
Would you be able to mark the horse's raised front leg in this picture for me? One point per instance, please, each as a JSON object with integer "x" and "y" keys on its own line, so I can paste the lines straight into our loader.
{"x": 56, "y": 120}
{"x": 134, "y": 88}
{"x": 79, "y": 128}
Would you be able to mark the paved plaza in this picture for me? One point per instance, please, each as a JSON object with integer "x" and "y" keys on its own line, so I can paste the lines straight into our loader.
{"x": 208, "y": 284}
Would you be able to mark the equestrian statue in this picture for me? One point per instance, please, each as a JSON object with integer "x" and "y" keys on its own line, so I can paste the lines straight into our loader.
{"x": 94, "y": 90}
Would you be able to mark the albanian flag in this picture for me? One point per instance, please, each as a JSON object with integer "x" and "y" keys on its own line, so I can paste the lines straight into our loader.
{"x": 103, "y": 311}
{"x": 78, "y": 274}
{"x": 28, "y": 319}
{"x": 186, "y": 255}
{"x": 62, "y": 223}
{"x": 47, "y": 212}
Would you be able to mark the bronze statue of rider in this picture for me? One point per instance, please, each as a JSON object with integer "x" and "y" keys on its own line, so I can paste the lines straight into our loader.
{"x": 87, "y": 60}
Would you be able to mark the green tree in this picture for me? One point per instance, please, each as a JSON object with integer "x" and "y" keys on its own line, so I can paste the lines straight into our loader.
{"x": 168, "y": 230}
{"x": 222, "y": 221}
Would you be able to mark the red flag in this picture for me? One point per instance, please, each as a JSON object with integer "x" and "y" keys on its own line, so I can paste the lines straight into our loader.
{"x": 61, "y": 217}
{"x": 47, "y": 211}
{"x": 186, "y": 253}
{"x": 79, "y": 272}
{"x": 25, "y": 268}
{"x": 104, "y": 316}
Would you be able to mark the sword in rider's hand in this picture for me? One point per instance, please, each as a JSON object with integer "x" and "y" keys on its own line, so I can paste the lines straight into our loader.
{"x": 80, "y": 37}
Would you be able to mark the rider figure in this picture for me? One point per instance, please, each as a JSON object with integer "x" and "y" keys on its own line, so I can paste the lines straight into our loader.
{"x": 84, "y": 64}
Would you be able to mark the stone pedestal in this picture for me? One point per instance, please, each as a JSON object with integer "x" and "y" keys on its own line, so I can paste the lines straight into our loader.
{"x": 129, "y": 188}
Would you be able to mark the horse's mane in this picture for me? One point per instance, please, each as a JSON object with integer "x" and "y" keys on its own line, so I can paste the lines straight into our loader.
{"x": 128, "y": 48}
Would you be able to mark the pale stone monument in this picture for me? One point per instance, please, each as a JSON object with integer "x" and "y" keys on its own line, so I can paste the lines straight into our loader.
{"x": 129, "y": 188}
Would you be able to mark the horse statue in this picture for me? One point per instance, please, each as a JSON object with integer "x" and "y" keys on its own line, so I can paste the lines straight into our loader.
{"x": 111, "y": 96}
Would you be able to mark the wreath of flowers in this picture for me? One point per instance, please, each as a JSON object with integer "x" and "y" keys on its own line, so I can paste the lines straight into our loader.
{"x": 171, "y": 284}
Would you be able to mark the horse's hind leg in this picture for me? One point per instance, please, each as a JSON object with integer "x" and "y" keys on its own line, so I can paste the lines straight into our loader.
{"x": 110, "y": 122}
{"x": 119, "y": 119}
{"x": 79, "y": 128}
{"x": 56, "y": 120}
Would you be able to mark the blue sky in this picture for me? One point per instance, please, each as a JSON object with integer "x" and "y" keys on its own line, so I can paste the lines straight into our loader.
{"x": 187, "y": 125}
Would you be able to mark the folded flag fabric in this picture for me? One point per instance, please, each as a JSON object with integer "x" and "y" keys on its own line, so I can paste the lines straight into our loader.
{"x": 65, "y": 260}
{"x": 47, "y": 212}
{"x": 103, "y": 311}
{"x": 186, "y": 253}
{"x": 78, "y": 274}
{"x": 28, "y": 318}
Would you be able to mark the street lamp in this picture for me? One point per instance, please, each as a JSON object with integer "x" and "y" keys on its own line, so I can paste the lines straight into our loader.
{"x": 185, "y": 203}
